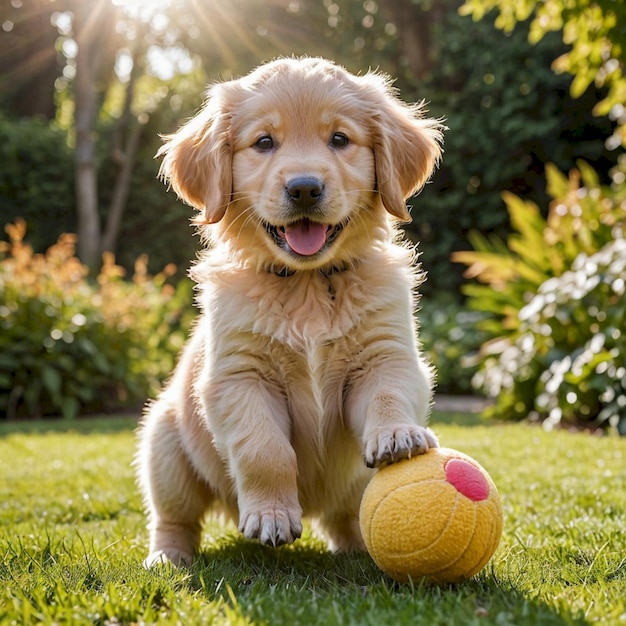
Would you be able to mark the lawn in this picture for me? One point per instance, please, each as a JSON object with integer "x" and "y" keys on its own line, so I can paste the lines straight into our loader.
{"x": 72, "y": 537}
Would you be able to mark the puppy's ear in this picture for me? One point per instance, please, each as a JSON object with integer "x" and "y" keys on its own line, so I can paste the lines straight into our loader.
{"x": 198, "y": 159}
{"x": 407, "y": 147}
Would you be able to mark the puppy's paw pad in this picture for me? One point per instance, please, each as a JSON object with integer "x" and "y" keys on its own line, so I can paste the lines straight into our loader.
{"x": 391, "y": 444}
{"x": 272, "y": 526}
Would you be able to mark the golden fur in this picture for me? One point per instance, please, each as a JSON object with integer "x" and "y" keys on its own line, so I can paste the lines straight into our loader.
{"x": 303, "y": 371}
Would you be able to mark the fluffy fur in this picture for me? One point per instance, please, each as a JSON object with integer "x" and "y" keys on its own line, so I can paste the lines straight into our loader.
{"x": 303, "y": 371}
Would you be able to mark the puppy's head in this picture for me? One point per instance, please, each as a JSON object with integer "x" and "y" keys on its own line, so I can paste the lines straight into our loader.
{"x": 298, "y": 163}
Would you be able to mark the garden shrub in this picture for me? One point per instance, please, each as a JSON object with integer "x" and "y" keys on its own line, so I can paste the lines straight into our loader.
{"x": 567, "y": 363}
{"x": 580, "y": 219}
{"x": 508, "y": 115}
{"x": 451, "y": 339}
{"x": 36, "y": 178}
{"x": 555, "y": 293}
{"x": 69, "y": 344}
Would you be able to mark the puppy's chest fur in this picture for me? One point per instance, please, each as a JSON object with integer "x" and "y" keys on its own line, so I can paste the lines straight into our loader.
{"x": 310, "y": 321}
{"x": 305, "y": 332}
{"x": 309, "y": 310}
{"x": 304, "y": 326}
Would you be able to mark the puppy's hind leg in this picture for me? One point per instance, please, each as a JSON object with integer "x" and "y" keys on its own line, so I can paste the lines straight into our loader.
{"x": 175, "y": 496}
{"x": 340, "y": 521}
{"x": 343, "y": 533}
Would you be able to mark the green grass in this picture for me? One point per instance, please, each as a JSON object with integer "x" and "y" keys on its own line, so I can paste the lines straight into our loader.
{"x": 72, "y": 537}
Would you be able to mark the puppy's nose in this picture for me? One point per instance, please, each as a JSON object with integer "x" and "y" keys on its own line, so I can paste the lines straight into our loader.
{"x": 304, "y": 191}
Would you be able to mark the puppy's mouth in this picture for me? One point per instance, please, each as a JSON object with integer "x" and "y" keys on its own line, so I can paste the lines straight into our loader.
{"x": 304, "y": 237}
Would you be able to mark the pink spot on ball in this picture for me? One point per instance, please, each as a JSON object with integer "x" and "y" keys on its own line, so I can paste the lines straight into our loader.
{"x": 467, "y": 479}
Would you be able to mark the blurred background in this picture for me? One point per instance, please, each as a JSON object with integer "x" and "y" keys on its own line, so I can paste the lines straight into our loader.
{"x": 535, "y": 127}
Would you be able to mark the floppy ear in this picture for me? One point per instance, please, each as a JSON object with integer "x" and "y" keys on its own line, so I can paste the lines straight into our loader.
{"x": 407, "y": 147}
{"x": 198, "y": 160}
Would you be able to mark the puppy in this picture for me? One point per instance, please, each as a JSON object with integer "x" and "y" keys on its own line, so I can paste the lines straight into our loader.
{"x": 303, "y": 371}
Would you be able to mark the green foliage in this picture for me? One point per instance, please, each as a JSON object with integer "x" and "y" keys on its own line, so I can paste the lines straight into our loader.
{"x": 37, "y": 184}
{"x": 508, "y": 115}
{"x": 571, "y": 344}
{"x": 70, "y": 345}
{"x": 554, "y": 292}
{"x": 595, "y": 32}
{"x": 36, "y": 178}
{"x": 451, "y": 337}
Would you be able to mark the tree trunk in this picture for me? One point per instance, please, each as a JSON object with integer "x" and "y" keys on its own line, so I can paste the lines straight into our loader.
{"x": 124, "y": 157}
{"x": 86, "y": 168}
{"x": 414, "y": 26}
{"x": 93, "y": 24}
{"x": 120, "y": 192}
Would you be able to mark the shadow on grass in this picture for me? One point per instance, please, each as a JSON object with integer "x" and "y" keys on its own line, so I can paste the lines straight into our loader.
{"x": 308, "y": 585}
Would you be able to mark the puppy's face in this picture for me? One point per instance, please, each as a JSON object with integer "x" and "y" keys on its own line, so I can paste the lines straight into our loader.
{"x": 303, "y": 169}
{"x": 297, "y": 162}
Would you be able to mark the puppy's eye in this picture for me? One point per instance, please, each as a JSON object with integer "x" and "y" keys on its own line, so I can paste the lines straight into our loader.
{"x": 264, "y": 143}
{"x": 339, "y": 140}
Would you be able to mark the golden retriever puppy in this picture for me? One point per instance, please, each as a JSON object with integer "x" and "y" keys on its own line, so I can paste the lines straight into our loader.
{"x": 303, "y": 371}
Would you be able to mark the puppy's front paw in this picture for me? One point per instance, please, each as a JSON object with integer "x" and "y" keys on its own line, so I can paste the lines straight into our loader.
{"x": 274, "y": 526}
{"x": 173, "y": 556}
{"x": 393, "y": 443}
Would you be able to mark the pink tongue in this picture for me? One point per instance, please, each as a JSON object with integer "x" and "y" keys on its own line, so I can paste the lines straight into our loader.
{"x": 306, "y": 237}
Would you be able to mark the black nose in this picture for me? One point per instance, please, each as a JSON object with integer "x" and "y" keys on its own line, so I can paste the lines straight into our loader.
{"x": 304, "y": 191}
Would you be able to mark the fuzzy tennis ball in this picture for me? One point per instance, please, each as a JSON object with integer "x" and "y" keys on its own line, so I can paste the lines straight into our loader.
{"x": 435, "y": 516}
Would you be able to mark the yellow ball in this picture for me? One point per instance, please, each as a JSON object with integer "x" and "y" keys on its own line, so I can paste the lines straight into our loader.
{"x": 435, "y": 516}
